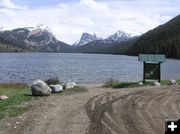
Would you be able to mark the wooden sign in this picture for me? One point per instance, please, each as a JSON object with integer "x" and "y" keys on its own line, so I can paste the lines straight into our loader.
{"x": 152, "y": 71}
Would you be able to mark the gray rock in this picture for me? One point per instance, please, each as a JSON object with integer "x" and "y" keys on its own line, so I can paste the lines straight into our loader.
{"x": 40, "y": 88}
{"x": 174, "y": 82}
{"x": 69, "y": 85}
{"x": 56, "y": 88}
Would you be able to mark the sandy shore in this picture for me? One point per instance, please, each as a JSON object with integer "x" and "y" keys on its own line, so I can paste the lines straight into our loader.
{"x": 99, "y": 111}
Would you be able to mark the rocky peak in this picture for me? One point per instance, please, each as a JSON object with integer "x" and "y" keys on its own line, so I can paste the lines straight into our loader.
{"x": 86, "y": 38}
{"x": 119, "y": 36}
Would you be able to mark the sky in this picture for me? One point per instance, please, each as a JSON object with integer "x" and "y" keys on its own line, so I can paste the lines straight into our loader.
{"x": 68, "y": 19}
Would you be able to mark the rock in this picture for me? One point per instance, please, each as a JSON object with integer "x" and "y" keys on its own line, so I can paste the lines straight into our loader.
{"x": 69, "y": 85}
{"x": 8, "y": 124}
{"x": 157, "y": 84}
{"x": 50, "y": 89}
{"x": 73, "y": 83}
{"x": 40, "y": 88}
{"x": 3, "y": 97}
{"x": 174, "y": 82}
{"x": 56, "y": 88}
{"x": 140, "y": 83}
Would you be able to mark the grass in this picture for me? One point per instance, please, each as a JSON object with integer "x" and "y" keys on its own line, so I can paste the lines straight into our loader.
{"x": 16, "y": 93}
{"x": 178, "y": 81}
{"x": 166, "y": 82}
{"x": 19, "y": 93}
{"x": 116, "y": 84}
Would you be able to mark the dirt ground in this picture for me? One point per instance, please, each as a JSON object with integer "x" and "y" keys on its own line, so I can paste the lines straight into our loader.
{"x": 99, "y": 111}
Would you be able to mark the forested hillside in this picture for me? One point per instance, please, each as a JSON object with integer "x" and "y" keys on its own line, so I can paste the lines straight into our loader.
{"x": 164, "y": 39}
{"x": 6, "y": 46}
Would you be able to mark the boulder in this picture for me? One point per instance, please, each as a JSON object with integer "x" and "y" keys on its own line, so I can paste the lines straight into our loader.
{"x": 3, "y": 97}
{"x": 74, "y": 84}
{"x": 56, "y": 88}
{"x": 40, "y": 88}
{"x": 69, "y": 85}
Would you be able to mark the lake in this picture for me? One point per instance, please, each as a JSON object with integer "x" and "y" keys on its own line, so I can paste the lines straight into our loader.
{"x": 81, "y": 68}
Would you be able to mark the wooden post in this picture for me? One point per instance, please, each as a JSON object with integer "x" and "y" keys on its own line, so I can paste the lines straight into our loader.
{"x": 144, "y": 67}
{"x": 159, "y": 78}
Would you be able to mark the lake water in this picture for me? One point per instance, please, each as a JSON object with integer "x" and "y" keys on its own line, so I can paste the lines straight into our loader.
{"x": 81, "y": 68}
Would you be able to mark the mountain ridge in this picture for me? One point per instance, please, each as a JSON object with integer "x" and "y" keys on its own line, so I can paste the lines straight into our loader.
{"x": 34, "y": 39}
{"x": 117, "y": 37}
{"x": 164, "y": 39}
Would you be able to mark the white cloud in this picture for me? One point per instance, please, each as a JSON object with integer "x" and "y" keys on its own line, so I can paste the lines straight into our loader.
{"x": 11, "y": 5}
{"x": 7, "y": 12}
{"x": 93, "y": 5}
{"x": 68, "y": 21}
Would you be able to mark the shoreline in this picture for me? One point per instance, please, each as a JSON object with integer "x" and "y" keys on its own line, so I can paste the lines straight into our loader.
{"x": 75, "y": 53}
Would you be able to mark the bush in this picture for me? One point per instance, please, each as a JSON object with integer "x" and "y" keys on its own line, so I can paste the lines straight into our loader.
{"x": 178, "y": 81}
{"x": 52, "y": 81}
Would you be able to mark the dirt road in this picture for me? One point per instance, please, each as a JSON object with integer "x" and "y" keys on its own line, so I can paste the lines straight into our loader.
{"x": 140, "y": 111}
{"x": 99, "y": 111}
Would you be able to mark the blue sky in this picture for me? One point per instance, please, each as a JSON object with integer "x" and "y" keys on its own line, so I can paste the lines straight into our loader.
{"x": 68, "y": 19}
{"x": 40, "y": 3}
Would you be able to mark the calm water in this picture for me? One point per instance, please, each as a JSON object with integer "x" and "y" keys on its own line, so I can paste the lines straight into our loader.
{"x": 81, "y": 68}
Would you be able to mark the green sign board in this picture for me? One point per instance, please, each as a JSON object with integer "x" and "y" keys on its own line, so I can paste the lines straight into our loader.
{"x": 151, "y": 71}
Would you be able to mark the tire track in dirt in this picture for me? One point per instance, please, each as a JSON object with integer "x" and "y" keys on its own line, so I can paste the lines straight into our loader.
{"x": 133, "y": 112}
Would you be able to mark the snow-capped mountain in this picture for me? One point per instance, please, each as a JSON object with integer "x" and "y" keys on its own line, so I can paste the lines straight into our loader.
{"x": 115, "y": 43}
{"x": 86, "y": 38}
{"x": 118, "y": 37}
{"x": 40, "y": 37}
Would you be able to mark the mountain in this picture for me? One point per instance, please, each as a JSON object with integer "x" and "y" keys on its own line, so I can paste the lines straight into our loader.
{"x": 86, "y": 38}
{"x": 41, "y": 39}
{"x": 164, "y": 39}
{"x": 118, "y": 37}
{"x": 38, "y": 39}
{"x": 111, "y": 44}
{"x": 101, "y": 47}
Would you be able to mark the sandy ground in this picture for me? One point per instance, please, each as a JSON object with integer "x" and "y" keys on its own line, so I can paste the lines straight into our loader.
{"x": 99, "y": 111}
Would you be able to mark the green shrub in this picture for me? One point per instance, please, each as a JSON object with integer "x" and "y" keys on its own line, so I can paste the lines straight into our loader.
{"x": 52, "y": 81}
{"x": 166, "y": 82}
{"x": 178, "y": 81}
